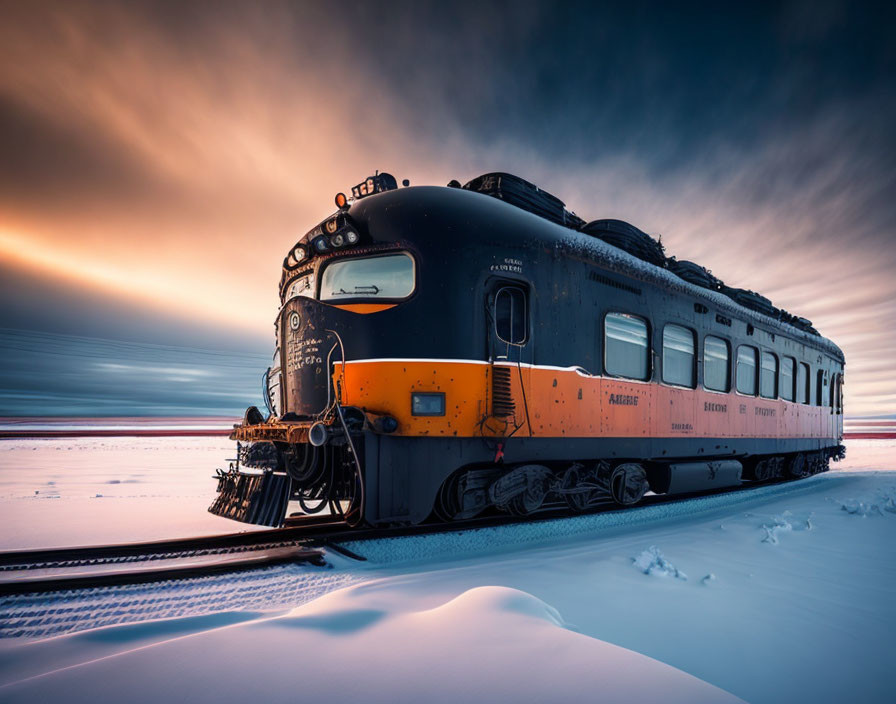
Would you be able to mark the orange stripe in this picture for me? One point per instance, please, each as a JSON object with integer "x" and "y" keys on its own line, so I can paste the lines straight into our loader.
{"x": 564, "y": 403}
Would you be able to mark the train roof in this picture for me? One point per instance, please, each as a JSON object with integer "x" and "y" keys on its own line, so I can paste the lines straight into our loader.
{"x": 619, "y": 261}
{"x": 569, "y": 235}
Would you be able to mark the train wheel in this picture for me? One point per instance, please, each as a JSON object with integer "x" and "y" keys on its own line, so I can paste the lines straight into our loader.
{"x": 763, "y": 470}
{"x": 521, "y": 490}
{"x": 817, "y": 463}
{"x": 798, "y": 467}
{"x": 447, "y": 506}
{"x": 577, "y": 497}
{"x": 628, "y": 484}
{"x": 530, "y": 500}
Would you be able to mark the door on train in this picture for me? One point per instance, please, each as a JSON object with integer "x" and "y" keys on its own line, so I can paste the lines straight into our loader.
{"x": 509, "y": 340}
{"x": 509, "y": 326}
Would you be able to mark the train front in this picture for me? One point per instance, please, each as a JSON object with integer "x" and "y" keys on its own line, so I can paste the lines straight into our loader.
{"x": 306, "y": 454}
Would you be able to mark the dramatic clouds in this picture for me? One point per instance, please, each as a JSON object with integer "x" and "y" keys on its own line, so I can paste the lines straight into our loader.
{"x": 170, "y": 153}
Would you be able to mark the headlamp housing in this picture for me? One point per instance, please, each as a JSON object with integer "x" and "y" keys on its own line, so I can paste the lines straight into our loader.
{"x": 296, "y": 257}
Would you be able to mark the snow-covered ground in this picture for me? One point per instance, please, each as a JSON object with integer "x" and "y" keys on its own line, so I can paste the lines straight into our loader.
{"x": 785, "y": 594}
{"x": 93, "y": 490}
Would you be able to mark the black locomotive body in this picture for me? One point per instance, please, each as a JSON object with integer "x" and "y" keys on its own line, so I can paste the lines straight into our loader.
{"x": 452, "y": 354}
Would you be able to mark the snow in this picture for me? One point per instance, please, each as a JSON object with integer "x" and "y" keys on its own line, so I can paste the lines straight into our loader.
{"x": 93, "y": 490}
{"x": 651, "y": 561}
{"x": 477, "y": 646}
{"x": 580, "y": 608}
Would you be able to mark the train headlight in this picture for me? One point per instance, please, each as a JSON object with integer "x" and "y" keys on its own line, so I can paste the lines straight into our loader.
{"x": 296, "y": 256}
{"x": 337, "y": 240}
{"x": 332, "y": 225}
{"x": 321, "y": 244}
{"x": 352, "y": 237}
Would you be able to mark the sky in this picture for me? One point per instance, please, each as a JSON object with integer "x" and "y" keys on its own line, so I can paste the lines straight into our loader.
{"x": 157, "y": 160}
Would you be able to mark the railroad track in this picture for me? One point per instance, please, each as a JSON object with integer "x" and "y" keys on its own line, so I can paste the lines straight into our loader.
{"x": 302, "y": 540}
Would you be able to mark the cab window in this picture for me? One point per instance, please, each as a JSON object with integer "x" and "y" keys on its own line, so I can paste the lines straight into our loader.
{"x": 302, "y": 286}
{"x": 388, "y": 276}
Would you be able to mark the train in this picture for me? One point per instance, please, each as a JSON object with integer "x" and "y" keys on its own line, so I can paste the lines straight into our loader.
{"x": 450, "y": 353}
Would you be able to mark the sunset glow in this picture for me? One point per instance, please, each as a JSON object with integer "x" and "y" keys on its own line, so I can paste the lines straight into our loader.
{"x": 172, "y": 158}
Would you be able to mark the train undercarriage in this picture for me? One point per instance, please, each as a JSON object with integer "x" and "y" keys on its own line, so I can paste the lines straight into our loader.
{"x": 288, "y": 479}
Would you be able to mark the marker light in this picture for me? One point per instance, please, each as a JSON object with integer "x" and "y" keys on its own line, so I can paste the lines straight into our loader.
{"x": 341, "y": 201}
{"x": 320, "y": 244}
{"x": 331, "y": 225}
{"x": 337, "y": 240}
{"x": 351, "y": 236}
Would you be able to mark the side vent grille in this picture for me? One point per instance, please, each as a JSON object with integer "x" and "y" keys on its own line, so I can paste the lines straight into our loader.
{"x": 502, "y": 397}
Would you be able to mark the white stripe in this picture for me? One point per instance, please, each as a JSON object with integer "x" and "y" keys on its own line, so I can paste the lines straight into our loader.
{"x": 410, "y": 359}
{"x": 578, "y": 370}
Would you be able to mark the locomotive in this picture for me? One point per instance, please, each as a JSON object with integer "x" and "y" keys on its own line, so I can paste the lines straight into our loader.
{"x": 444, "y": 353}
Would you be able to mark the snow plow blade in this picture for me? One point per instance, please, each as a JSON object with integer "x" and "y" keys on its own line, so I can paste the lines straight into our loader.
{"x": 258, "y": 498}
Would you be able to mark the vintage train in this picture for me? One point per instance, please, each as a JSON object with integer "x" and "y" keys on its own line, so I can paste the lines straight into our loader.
{"x": 446, "y": 352}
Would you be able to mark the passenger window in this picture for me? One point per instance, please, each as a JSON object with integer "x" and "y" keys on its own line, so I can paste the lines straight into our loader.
{"x": 768, "y": 376}
{"x": 679, "y": 356}
{"x": 716, "y": 364}
{"x": 625, "y": 346}
{"x": 511, "y": 315}
{"x": 802, "y": 383}
{"x": 787, "y": 365}
{"x": 746, "y": 370}
{"x": 819, "y": 388}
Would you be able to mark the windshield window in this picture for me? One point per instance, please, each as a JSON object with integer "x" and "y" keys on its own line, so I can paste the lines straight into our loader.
{"x": 303, "y": 286}
{"x": 388, "y": 276}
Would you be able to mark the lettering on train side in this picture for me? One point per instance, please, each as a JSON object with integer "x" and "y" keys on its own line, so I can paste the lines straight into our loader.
{"x": 685, "y": 427}
{"x": 765, "y": 411}
{"x": 715, "y": 407}
{"x": 302, "y": 353}
{"x": 509, "y": 264}
{"x": 623, "y": 400}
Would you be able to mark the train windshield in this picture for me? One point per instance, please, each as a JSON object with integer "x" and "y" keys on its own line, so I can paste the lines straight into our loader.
{"x": 385, "y": 276}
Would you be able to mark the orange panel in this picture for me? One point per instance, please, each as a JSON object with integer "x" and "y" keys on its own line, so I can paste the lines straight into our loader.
{"x": 564, "y": 402}
{"x": 385, "y": 386}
